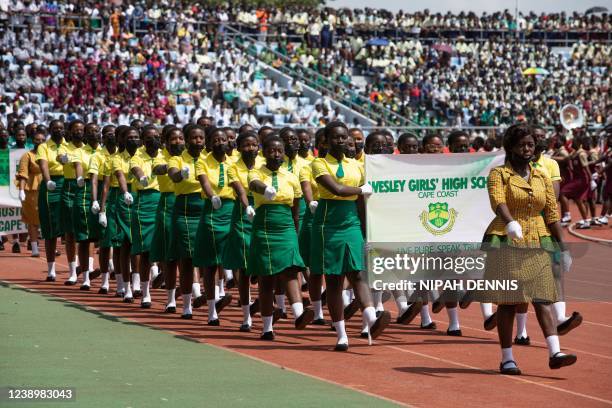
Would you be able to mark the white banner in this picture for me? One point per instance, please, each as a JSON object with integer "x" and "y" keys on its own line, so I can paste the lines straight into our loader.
{"x": 429, "y": 197}
{"x": 10, "y": 206}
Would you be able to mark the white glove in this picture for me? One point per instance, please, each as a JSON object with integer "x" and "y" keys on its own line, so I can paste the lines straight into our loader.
{"x": 128, "y": 199}
{"x": 102, "y": 219}
{"x": 95, "y": 207}
{"x": 270, "y": 193}
{"x": 63, "y": 158}
{"x": 216, "y": 202}
{"x": 366, "y": 189}
{"x": 593, "y": 185}
{"x": 514, "y": 230}
{"x": 312, "y": 206}
{"x": 51, "y": 185}
{"x": 595, "y": 176}
{"x": 250, "y": 213}
{"x": 80, "y": 182}
{"x": 566, "y": 261}
{"x": 185, "y": 172}
{"x": 22, "y": 195}
{"x": 144, "y": 181}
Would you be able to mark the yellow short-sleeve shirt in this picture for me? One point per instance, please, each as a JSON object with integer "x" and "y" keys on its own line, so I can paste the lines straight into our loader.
{"x": 234, "y": 157}
{"x": 97, "y": 160}
{"x": 295, "y": 165}
{"x": 306, "y": 175}
{"x": 165, "y": 184}
{"x": 48, "y": 151}
{"x": 549, "y": 167}
{"x": 288, "y": 186}
{"x": 143, "y": 161}
{"x": 217, "y": 175}
{"x": 191, "y": 184}
{"x": 69, "y": 150}
{"x": 107, "y": 169}
{"x": 353, "y": 175}
{"x": 240, "y": 172}
{"x": 121, "y": 162}
{"x": 83, "y": 155}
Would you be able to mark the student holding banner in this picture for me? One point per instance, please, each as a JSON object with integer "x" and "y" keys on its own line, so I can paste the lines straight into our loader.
{"x": 337, "y": 236}
{"x": 518, "y": 239}
{"x": 29, "y": 177}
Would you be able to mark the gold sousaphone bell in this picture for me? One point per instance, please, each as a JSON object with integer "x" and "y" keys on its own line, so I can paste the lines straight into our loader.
{"x": 571, "y": 117}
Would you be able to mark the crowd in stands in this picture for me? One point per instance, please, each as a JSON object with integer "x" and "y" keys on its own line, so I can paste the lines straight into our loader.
{"x": 174, "y": 68}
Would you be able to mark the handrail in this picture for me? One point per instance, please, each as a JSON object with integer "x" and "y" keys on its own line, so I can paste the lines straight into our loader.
{"x": 386, "y": 114}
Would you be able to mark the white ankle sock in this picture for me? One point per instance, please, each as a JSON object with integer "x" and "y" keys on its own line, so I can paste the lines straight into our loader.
{"x": 425, "y": 317}
{"x": 453, "y": 318}
{"x": 487, "y": 310}
{"x": 90, "y": 263}
{"x": 318, "y": 309}
{"x": 217, "y": 297}
{"x": 145, "y": 291}
{"x": 154, "y": 271}
{"x": 280, "y": 302}
{"x": 229, "y": 275}
{"x": 402, "y": 304}
{"x": 187, "y": 304}
{"x": 128, "y": 289}
{"x": 50, "y": 268}
{"x": 105, "y": 283}
{"x": 369, "y": 314}
{"x": 72, "y": 269}
{"x": 346, "y": 298}
{"x": 196, "y": 290}
{"x": 364, "y": 325}
{"x": 35, "y": 248}
{"x": 559, "y": 312}
{"x": 170, "y": 293}
{"x": 86, "y": 278}
{"x": 298, "y": 309}
{"x": 341, "y": 332}
{"x": 521, "y": 325}
{"x": 246, "y": 315}
{"x": 267, "y": 323}
{"x": 507, "y": 356}
{"x": 553, "y": 345}
{"x": 136, "y": 280}
{"x": 221, "y": 286}
{"x": 377, "y": 300}
{"x": 212, "y": 310}
{"x": 111, "y": 266}
{"x": 119, "y": 280}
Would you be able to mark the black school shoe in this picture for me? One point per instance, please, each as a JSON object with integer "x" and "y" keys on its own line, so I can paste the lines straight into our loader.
{"x": 509, "y": 370}
{"x": 570, "y": 324}
{"x": 269, "y": 336}
{"x": 456, "y": 333}
{"x": 491, "y": 322}
{"x": 305, "y": 319}
{"x": 561, "y": 360}
{"x": 522, "y": 341}
{"x": 223, "y": 303}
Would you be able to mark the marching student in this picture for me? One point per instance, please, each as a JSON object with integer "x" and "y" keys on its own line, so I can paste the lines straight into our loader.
{"x": 76, "y": 130}
{"x": 214, "y": 226}
{"x": 162, "y": 250}
{"x": 128, "y": 139}
{"x": 144, "y": 209}
{"x": 357, "y": 135}
{"x": 236, "y": 252}
{"x": 274, "y": 253}
{"x": 337, "y": 236}
{"x": 305, "y": 147}
{"x": 188, "y": 208}
{"x": 103, "y": 208}
{"x": 86, "y": 225}
{"x": 518, "y": 238}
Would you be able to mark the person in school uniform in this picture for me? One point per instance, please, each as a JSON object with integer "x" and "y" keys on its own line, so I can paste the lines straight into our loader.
{"x": 274, "y": 253}
{"x": 86, "y": 225}
{"x": 235, "y": 255}
{"x": 188, "y": 208}
{"x": 162, "y": 250}
{"x": 76, "y": 130}
{"x": 337, "y": 236}
{"x": 99, "y": 171}
{"x": 144, "y": 210}
{"x": 213, "y": 229}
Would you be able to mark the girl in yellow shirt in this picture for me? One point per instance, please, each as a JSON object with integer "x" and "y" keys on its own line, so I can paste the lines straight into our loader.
{"x": 274, "y": 252}
{"x": 187, "y": 208}
{"x": 215, "y": 222}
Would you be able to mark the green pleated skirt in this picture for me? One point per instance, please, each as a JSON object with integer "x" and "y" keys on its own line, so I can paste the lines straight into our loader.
{"x": 162, "y": 249}
{"x": 305, "y": 235}
{"x": 86, "y": 225}
{"x": 66, "y": 215}
{"x": 274, "y": 242}
{"x": 302, "y": 211}
{"x": 212, "y": 234}
{"x": 108, "y": 235}
{"x": 123, "y": 220}
{"x": 144, "y": 211}
{"x": 185, "y": 219}
{"x": 50, "y": 209}
{"x": 236, "y": 252}
{"x": 336, "y": 243}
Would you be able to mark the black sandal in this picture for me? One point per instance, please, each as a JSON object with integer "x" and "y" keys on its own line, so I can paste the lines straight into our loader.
{"x": 510, "y": 370}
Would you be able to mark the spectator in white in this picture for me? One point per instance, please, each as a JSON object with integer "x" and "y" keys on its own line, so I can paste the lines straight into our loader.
{"x": 249, "y": 118}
